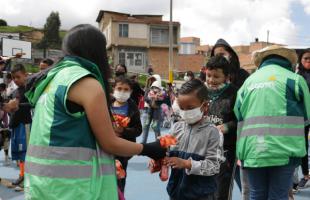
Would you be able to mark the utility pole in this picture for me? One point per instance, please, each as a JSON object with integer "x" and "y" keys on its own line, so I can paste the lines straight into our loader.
{"x": 170, "y": 45}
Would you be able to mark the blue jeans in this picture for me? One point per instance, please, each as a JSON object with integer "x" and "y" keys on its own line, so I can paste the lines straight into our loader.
{"x": 270, "y": 183}
{"x": 150, "y": 120}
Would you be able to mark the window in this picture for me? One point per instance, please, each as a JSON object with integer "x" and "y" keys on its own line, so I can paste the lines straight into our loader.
{"x": 122, "y": 58}
{"x": 138, "y": 59}
{"x": 160, "y": 35}
{"x": 187, "y": 48}
{"x": 130, "y": 58}
{"x": 123, "y": 30}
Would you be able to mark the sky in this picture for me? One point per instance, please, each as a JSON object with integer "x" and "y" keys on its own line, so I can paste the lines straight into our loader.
{"x": 237, "y": 21}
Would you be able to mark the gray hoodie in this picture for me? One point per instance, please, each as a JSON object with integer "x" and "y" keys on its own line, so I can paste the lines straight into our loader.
{"x": 203, "y": 145}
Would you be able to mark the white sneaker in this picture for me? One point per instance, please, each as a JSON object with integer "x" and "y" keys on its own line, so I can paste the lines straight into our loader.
{"x": 19, "y": 189}
{"x": 7, "y": 161}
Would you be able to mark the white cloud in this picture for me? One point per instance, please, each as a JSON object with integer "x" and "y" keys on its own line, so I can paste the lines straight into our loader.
{"x": 306, "y": 4}
{"x": 239, "y": 22}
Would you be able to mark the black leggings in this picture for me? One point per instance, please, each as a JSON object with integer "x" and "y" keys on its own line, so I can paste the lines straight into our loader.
{"x": 122, "y": 182}
{"x": 304, "y": 160}
{"x": 226, "y": 176}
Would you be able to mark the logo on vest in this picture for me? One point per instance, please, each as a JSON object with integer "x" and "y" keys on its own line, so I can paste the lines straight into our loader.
{"x": 256, "y": 86}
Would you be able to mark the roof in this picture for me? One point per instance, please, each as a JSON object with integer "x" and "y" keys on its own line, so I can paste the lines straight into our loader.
{"x": 143, "y": 21}
{"x": 189, "y": 39}
{"x": 101, "y": 13}
{"x": 146, "y": 15}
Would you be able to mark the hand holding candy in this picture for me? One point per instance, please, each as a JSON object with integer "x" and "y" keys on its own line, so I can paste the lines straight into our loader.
{"x": 120, "y": 172}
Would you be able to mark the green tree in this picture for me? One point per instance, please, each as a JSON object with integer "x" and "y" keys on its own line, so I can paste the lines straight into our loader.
{"x": 3, "y": 22}
{"x": 51, "y": 38}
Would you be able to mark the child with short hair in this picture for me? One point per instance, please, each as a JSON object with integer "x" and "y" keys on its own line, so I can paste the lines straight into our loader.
{"x": 221, "y": 98}
{"x": 20, "y": 123}
{"x": 196, "y": 158}
{"x": 127, "y": 118}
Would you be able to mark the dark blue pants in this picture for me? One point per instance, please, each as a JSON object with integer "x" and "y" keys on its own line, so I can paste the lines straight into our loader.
{"x": 270, "y": 183}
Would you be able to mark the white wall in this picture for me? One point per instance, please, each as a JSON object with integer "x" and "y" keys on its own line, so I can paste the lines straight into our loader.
{"x": 107, "y": 33}
{"x": 138, "y": 31}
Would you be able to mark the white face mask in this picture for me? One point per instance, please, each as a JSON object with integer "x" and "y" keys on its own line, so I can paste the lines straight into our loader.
{"x": 191, "y": 116}
{"x": 121, "y": 96}
{"x": 187, "y": 78}
{"x": 175, "y": 106}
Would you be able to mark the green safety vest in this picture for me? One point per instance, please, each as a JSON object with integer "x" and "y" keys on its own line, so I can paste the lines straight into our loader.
{"x": 63, "y": 158}
{"x": 272, "y": 107}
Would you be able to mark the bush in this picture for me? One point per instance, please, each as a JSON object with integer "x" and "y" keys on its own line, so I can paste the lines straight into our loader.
{"x": 3, "y": 22}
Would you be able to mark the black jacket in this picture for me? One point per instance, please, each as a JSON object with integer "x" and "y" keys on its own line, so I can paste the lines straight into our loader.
{"x": 134, "y": 128}
{"x": 137, "y": 92}
{"x": 220, "y": 111}
{"x": 238, "y": 75}
{"x": 23, "y": 114}
{"x": 306, "y": 74}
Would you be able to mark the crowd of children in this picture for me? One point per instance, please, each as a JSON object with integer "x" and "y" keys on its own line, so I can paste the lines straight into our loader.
{"x": 15, "y": 124}
{"x": 203, "y": 162}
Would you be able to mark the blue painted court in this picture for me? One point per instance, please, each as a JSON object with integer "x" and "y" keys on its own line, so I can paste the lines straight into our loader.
{"x": 140, "y": 184}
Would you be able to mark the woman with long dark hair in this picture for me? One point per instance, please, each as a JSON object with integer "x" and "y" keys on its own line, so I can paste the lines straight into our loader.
{"x": 72, "y": 137}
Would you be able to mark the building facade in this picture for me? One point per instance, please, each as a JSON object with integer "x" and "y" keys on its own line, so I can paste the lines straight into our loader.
{"x": 192, "y": 56}
{"x": 139, "y": 41}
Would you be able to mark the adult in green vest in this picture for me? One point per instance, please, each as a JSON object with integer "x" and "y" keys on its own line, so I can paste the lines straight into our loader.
{"x": 72, "y": 139}
{"x": 272, "y": 108}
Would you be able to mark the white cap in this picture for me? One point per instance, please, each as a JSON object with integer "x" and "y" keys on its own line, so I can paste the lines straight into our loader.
{"x": 156, "y": 84}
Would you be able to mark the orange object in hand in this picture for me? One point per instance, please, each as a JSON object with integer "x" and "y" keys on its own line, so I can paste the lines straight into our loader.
{"x": 120, "y": 172}
{"x": 121, "y": 121}
{"x": 124, "y": 122}
{"x": 164, "y": 172}
{"x": 158, "y": 165}
{"x": 154, "y": 165}
{"x": 167, "y": 140}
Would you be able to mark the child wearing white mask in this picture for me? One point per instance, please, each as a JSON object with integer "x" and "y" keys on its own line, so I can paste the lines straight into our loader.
{"x": 126, "y": 116}
{"x": 196, "y": 158}
{"x": 189, "y": 75}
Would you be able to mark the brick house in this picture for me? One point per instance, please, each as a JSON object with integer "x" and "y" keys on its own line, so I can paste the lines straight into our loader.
{"x": 192, "y": 55}
{"x": 245, "y": 54}
{"x": 139, "y": 40}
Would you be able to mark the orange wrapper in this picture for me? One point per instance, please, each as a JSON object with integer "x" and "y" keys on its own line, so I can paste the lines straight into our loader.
{"x": 121, "y": 121}
{"x": 164, "y": 173}
{"x": 120, "y": 172}
{"x": 167, "y": 140}
{"x": 154, "y": 166}
{"x": 158, "y": 165}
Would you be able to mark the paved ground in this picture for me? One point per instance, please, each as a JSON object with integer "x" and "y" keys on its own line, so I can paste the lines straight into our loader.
{"x": 140, "y": 185}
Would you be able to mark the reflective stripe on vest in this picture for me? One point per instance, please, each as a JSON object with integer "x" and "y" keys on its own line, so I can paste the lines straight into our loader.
{"x": 67, "y": 171}
{"x": 68, "y": 154}
{"x": 278, "y": 120}
{"x": 64, "y": 153}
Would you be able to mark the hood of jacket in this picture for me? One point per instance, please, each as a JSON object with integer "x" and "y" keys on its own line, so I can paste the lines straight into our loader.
{"x": 234, "y": 57}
